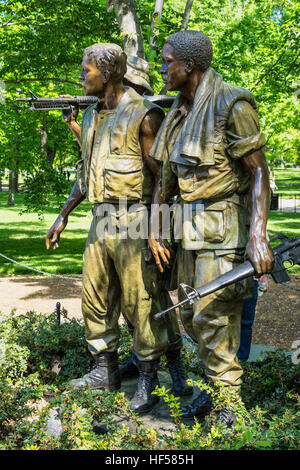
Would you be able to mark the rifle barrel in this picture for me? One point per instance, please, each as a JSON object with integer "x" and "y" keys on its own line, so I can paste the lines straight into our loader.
{"x": 288, "y": 249}
{"x": 158, "y": 315}
{"x": 238, "y": 274}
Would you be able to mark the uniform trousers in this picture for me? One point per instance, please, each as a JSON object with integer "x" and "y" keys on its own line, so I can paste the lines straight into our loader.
{"x": 117, "y": 278}
{"x": 214, "y": 321}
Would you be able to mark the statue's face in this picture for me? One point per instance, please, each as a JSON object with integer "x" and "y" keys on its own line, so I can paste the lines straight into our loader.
{"x": 92, "y": 78}
{"x": 173, "y": 72}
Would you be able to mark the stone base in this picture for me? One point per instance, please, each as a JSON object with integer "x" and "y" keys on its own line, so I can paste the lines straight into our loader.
{"x": 159, "y": 418}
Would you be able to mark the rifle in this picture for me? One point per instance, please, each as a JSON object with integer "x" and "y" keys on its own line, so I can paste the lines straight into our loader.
{"x": 46, "y": 104}
{"x": 288, "y": 250}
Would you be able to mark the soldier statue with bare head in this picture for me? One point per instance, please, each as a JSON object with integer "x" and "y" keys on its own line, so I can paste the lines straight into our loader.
{"x": 115, "y": 136}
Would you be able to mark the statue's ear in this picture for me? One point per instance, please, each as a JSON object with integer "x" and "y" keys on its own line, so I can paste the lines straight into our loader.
{"x": 190, "y": 64}
{"x": 106, "y": 76}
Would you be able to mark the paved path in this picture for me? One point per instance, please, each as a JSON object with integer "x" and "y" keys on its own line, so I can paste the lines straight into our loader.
{"x": 277, "y": 320}
{"x": 25, "y": 293}
{"x": 289, "y": 205}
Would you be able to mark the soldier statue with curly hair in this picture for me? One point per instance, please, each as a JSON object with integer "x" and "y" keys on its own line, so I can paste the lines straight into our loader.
{"x": 211, "y": 151}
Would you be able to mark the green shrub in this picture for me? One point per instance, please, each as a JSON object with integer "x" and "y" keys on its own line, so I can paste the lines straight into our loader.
{"x": 31, "y": 388}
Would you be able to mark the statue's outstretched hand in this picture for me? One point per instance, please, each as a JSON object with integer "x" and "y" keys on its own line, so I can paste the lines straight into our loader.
{"x": 162, "y": 253}
{"x": 53, "y": 236}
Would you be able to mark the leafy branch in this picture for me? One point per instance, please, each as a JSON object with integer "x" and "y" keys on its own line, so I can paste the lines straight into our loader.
{"x": 267, "y": 73}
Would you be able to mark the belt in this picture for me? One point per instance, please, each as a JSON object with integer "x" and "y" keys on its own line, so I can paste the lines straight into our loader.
{"x": 117, "y": 208}
{"x": 236, "y": 198}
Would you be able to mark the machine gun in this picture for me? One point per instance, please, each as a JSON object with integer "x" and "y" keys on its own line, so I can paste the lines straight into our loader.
{"x": 288, "y": 250}
{"x": 47, "y": 104}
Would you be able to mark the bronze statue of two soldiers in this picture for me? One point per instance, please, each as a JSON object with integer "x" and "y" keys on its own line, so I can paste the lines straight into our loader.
{"x": 208, "y": 151}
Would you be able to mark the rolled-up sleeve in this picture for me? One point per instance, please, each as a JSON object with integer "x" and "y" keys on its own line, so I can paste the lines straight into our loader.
{"x": 243, "y": 131}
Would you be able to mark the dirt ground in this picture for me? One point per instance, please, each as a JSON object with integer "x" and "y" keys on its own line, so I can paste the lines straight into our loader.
{"x": 277, "y": 320}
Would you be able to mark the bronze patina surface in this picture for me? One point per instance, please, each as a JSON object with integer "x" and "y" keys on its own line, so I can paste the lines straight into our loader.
{"x": 115, "y": 136}
{"x": 211, "y": 152}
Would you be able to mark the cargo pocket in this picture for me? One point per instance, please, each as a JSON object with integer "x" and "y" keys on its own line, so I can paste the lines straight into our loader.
{"x": 123, "y": 177}
{"x": 204, "y": 224}
{"x": 215, "y": 222}
{"x": 150, "y": 274}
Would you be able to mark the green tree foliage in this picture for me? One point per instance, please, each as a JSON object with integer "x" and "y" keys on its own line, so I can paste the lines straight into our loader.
{"x": 41, "y": 51}
{"x": 255, "y": 46}
{"x": 259, "y": 50}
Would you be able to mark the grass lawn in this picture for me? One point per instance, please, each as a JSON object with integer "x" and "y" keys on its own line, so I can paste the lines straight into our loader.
{"x": 22, "y": 237}
{"x": 288, "y": 181}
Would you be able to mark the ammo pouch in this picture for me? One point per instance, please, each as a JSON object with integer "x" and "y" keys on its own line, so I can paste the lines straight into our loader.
{"x": 123, "y": 177}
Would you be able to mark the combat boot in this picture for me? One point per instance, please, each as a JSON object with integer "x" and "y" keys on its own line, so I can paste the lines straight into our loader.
{"x": 129, "y": 367}
{"x": 199, "y": 408}
{"x": 143, "y": 400}
{"x": 178, "y": 374}
{"x": 104, "y": 376}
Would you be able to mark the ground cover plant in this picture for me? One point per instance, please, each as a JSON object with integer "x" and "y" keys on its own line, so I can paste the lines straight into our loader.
{"x": 38, "y": 357}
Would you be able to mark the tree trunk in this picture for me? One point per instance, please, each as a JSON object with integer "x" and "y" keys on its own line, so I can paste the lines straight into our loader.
{"x": 12, "y": 187}
{"x": 47, "y": 151}
{"x": 129, "y": 25}
{"x": 13, "y": 178}
{"x": 186, "y": 15}
{"x": 157, "y": 13}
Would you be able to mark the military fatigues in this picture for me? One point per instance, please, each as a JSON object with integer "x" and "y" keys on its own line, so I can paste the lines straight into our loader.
{"x": 201, "y": 152}
{"x": 115, "y": 274}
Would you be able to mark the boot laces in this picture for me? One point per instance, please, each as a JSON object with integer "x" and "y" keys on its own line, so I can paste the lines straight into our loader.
{"x": 144, "y": 383}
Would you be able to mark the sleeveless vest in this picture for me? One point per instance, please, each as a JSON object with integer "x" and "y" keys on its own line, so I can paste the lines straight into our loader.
{"x": 113, "y": 165}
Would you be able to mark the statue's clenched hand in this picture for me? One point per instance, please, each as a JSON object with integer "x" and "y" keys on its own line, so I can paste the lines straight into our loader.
{"x": 53, "y": 236}
{"x": 71, "y": 113}
{"x": 260, "y": 253}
